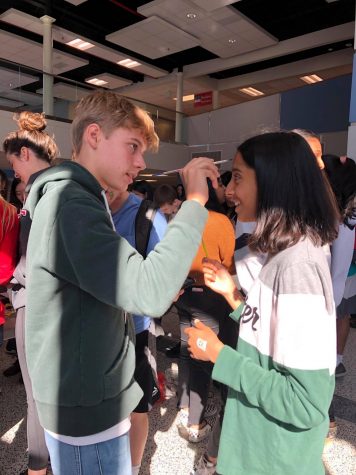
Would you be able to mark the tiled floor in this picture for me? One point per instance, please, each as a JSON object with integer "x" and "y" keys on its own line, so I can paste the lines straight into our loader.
{"x": 166, "y": 453}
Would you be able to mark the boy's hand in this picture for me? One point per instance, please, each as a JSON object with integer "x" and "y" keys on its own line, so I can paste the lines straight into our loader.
{"x": 194, "y": 176}
{"x": 203, "y": 344}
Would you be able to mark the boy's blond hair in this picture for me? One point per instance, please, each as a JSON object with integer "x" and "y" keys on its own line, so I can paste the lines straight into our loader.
{"x": 111, "y": 111}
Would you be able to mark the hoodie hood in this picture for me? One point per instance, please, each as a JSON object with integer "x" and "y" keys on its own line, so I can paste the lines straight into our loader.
{"x": 65, "y": 174}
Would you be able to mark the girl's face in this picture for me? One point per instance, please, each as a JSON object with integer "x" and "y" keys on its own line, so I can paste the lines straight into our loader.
{"x": 317, "y": 149}
{"x": 220, "y": 192}
{"x": 20, "y": 192}
{"x": 20, "y": 164}
{"x": 243, "y": 190}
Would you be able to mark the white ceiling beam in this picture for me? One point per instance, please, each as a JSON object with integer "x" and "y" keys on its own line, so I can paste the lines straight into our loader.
{"x": 298, "y": 68}
{"x": 293, "y": 45}
{"x": 205, "y": 82}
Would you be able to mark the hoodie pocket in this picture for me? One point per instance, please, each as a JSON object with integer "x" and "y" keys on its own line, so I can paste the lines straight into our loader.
{"x": 120, "y": 375}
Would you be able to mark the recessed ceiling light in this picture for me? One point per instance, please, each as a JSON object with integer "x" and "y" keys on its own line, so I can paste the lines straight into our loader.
{"x": 330, "y": 49}
{"x": 191, "y": 16}
{"x": 188, "y": 98}
{"x": 129, "y": 63}
{"x": 313, "y": 78}
{"x": 96, "y": 81}
{"x": 348, "y": 45}
{"x": 251, "y": 91}
{"x": 232, "y": 41}
{"x": 144, "y": 174}
{"x": 80, "y": 44}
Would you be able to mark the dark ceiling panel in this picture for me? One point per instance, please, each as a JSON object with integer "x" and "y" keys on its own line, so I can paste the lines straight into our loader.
{"x": 290, "y": 18}
{"x": 188, "y": 56}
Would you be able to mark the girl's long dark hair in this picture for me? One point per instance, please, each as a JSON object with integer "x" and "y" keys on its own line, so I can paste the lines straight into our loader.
{"x": 213, "y": 203}
{"x": 294, "y": 198}
{"x": 341, "y": 173}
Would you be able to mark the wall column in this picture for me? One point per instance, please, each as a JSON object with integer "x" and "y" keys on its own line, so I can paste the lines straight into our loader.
{"x": 179, "y": 108}
{"x": 216, "y": 102}
{"x": 47, "y": 64}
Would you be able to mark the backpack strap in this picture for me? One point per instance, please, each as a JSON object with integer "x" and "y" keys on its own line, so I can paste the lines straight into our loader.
{"x": 143, "y": 225}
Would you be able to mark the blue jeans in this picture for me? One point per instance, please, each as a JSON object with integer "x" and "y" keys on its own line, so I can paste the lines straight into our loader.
{"x": 106, "y": 458}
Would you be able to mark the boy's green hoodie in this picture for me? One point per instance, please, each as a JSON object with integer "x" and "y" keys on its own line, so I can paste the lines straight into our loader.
{"x": 81, "y": 278}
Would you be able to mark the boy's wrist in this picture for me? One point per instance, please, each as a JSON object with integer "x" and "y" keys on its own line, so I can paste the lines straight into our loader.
{"x": 196, "y": 197}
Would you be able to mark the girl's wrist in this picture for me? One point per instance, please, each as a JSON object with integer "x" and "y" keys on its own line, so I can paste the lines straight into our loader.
{"x": 234, "y": 298}
{"x": 214, "y": 351}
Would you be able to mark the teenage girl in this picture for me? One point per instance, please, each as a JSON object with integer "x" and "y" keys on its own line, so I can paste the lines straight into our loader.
{"x": 30, "y": 151}
{"x": 280, "y": 377}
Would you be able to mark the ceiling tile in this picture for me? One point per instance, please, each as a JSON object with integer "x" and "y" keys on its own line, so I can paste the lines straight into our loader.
{"x": 31, "y": 23}
{"x": 113, "y": 82}
{"x": 13, "y": 79}
{"x": 211, "y": 5}
{"x": 161, "y": 38}
{"x": 227, "y": 24}
{"x": 71, "y": 93}
{"x": 29, "y": 53}
{"x": 76, "y": 2}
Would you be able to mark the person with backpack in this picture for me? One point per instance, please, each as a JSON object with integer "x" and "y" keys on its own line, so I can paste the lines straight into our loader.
{"x": 198, "y": 301}
{"x": 143, "y": 227}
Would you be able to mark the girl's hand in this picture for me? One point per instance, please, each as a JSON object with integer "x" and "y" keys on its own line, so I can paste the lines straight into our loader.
{"x": 217, "y": 278}
{"x": 203, "y": 344}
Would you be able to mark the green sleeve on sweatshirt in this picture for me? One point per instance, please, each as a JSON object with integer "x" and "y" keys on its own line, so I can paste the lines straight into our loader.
{"x": 236, "y": 314}
{"x": 96, "y": 259}
{"x": 291, "y": 396}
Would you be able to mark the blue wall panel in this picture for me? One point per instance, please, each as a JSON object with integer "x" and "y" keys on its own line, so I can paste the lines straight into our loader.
{"x": 321, "y": 107}
{"x": 353, "y": 93}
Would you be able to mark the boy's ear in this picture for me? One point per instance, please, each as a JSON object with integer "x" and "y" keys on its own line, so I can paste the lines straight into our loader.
{"x": 93, "y": 135}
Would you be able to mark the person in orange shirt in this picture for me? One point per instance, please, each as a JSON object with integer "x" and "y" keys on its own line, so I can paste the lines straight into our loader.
{"x": 198, "y": 301}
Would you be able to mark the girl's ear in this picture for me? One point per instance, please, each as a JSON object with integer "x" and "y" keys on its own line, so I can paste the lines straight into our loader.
{"x": 24, "y": 154}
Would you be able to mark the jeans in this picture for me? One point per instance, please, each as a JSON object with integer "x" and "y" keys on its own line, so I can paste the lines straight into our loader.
{"x": 37, "y": 449}
{"x": 105, "y": 458}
